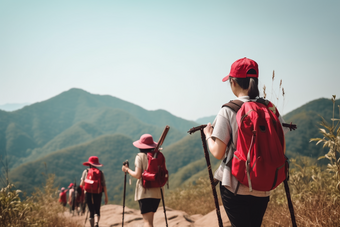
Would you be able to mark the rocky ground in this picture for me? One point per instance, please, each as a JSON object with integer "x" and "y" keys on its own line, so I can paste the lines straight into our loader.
{"x": 111, "y": 215}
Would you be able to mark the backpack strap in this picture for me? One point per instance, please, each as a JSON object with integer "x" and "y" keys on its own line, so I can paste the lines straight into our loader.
{"x": 235, "y": 105}
{"x": 263, "y": 101}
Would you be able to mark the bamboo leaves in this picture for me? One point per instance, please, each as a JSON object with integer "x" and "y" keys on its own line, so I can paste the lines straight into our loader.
{"x": 331, "y": 139}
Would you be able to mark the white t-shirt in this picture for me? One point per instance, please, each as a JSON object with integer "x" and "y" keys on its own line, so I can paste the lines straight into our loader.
{"x": 141, "y": 162}
{"x": 225, "y": 129}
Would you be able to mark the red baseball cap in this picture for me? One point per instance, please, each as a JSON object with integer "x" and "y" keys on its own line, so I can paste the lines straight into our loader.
{"x": 240, "y": 68}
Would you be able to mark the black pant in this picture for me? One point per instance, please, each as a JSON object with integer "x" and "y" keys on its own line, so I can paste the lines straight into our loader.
{"x": 94, "y": 204}
{"x": 244, "y": 210}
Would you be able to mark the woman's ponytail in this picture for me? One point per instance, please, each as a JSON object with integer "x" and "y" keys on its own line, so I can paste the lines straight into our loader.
{"x": 249, "y": 83}
{"x": 253, "y": 90}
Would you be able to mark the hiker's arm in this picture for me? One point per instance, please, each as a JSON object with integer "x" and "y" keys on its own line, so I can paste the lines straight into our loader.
{"x": 217, "y": 147}
{"x": 136, "y": 174}
{"x": 82, "y": 183}
{"x": 106, "y": 198}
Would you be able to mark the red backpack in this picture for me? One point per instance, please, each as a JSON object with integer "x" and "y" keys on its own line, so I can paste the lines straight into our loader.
{"x": 93, "y": 181}
{"x": 259, "y": 161}
{"x": 156, "y": 175}
{"x": 62, "y": 197}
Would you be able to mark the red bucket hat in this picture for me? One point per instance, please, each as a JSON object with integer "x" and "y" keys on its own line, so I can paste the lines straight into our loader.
{"x": 70, "y": 186}
{"x": 240, "y": 68}
{"x": 94, "y": 161}
{"x": 145, "y": 142}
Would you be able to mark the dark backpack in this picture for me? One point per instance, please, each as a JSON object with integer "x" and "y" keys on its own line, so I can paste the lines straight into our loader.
{"x": 156, "y": 175}
{"x": 259, "y": 161}
{"x": 93, "y": 182}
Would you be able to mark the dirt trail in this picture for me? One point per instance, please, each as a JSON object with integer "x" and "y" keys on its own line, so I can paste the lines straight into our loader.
{"x": 111, "y": 216}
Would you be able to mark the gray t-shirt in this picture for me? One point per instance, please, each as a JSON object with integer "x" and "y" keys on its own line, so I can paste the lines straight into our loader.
{"x": 225, "y": 129}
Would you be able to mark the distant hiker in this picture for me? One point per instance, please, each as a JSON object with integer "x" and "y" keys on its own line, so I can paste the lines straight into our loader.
{"x": 244, "y": 205}
{"x": 71, "y": 196}
{"x": 62, "y": 197}
{"x": 93, "y": 181}
{"x": 80, "y": 200}
{"x": 149, "y": 198}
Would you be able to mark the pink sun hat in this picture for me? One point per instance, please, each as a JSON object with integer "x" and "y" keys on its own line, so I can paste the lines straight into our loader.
{"x": 93, "y": 161}
{"x": 145, "y": 142}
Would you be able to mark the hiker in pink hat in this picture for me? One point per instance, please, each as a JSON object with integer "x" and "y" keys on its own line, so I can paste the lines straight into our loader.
{"x": 244, "y": 207}
{"x": 93, "y": 182}
{"x": 148, "y": 198}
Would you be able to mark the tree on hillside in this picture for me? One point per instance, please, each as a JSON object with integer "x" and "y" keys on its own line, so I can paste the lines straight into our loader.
{"x": 4, "y": 168}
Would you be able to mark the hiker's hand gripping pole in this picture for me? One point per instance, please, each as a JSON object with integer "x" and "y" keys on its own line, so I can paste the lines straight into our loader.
{"x": 126, "y": 163}
{"x": 206, "y": 154}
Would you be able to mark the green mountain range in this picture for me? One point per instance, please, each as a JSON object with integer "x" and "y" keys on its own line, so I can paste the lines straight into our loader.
{"x": 75, "y": 117}
{"x": 58, "y": 135}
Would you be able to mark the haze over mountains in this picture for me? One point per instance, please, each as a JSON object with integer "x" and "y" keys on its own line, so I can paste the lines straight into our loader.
{"x": 58, "y": 135}
{"x": 12, "y": 106}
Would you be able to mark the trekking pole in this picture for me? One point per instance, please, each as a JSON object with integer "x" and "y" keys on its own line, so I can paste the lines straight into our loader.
{"x": 159, "y": 144}
{"x": 166, "y": 220}
{"x": 290, "y": 204}
{"x": 192, "y": 130}
{"x": 87, "y": 213}
{"x": 124, "y": 163}
{"x": 74, "y": 197}
{"x": 161, "y": 140}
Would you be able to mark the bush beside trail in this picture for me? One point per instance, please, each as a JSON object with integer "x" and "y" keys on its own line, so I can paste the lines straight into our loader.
{"x": 41, "y": 209}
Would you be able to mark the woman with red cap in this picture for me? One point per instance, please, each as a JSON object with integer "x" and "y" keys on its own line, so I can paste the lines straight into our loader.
{"x": 93, "y": 182}
{"x": 243, "y": 207}
{"x": 148, "y": 198}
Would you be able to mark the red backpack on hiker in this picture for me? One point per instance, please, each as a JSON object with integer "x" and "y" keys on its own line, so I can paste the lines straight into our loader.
{"x": 259, "y": 161}
{"x": 156, "y": 175}
{"x": 62, "y": 197}
{"x": 93, "y": 181}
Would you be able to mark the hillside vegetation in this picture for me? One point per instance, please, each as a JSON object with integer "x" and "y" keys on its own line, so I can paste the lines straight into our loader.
{"x": 67, "y": 166}
{"x": 308, "y": 118}
{"x": 74, "y": 117}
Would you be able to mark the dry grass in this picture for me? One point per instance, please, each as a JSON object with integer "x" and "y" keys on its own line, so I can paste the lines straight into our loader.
{"x": 193, "y": 199}
{"x": 40, "y": 209}
{"x": 317, "y": 211}
{"x": 314, "y": 204}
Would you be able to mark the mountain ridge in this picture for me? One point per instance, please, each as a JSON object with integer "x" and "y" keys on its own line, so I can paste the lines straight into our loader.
{"x": 29, "y": 132}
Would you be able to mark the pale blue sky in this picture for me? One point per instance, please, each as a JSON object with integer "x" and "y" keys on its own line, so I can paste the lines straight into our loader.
{"x": 168, "y": 55}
